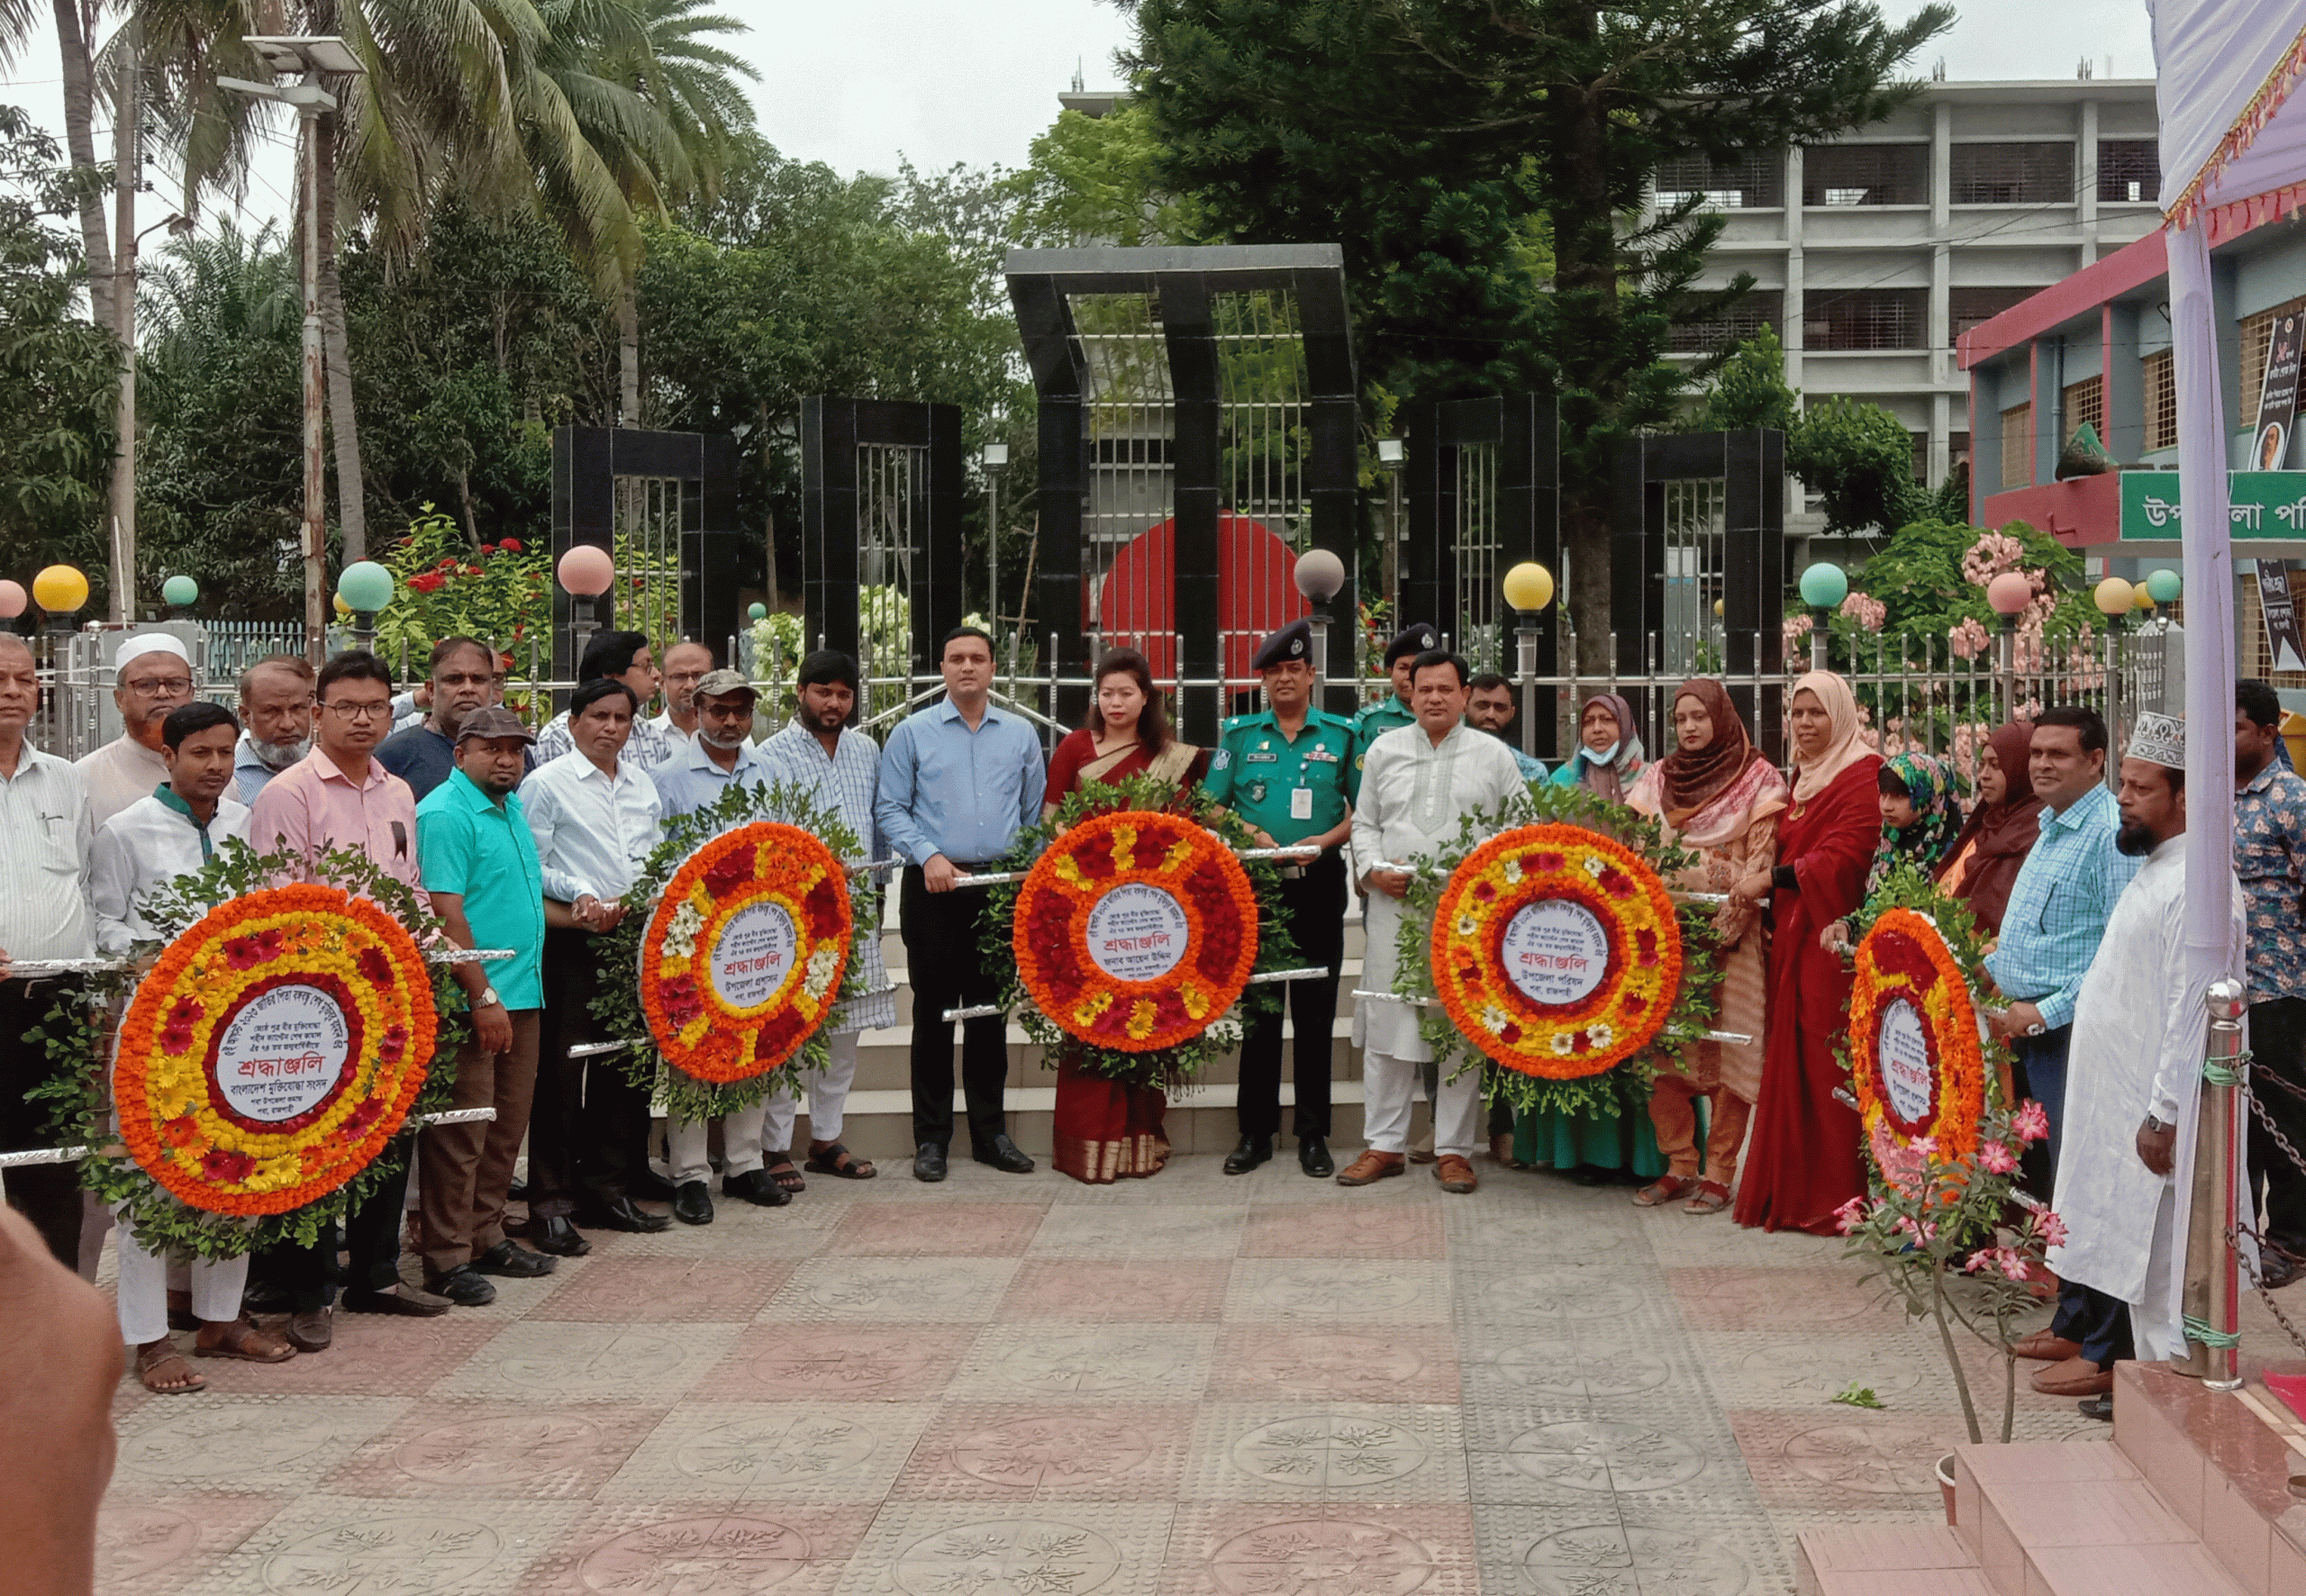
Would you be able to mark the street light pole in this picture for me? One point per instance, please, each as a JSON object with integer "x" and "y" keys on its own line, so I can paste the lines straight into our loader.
{"x": 126, "y": 158}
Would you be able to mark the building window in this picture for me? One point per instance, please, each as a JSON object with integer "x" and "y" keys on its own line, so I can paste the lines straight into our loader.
{"x": 1865, "y": 175}
{"x": 1967, "y": 308}
{"x": 1920, "y": 458}
{"x": 1745, "y": 319}
{"x": 2085, "y": 407}
{"x": 2033, "y": 174}
{"x": 2161, "y": 386}
{"x": 2130, "y": 170}
{"x": 1867, "y": 319}
{"x": 1752, "y": 182}
{"x": 2251, "y": 340}
{"x": 1958, "y": 450}
{"x": 2017, "y": 447}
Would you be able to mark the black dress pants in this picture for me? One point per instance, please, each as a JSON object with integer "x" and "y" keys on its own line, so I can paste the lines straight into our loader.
{"x": 1316, "y": 905}
{"x": 306, "y": 1277}
{"x": 948, "y": 971}
{"x": 2278, "y": 1049}
{"x": 588, "y": 1124}
{"x": 47, "y": 1194}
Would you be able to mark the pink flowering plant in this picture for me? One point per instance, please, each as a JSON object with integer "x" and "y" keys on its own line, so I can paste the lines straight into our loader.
{"x": 1955, "y": 1241}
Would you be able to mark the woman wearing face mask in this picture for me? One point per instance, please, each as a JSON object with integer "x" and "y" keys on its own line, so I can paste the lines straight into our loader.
{"x": 1805, "y": 1160}
{"x": 1983, "y": 864}
{"x": 1919, "y": 798}
{"x": 1718, "y": 796}
{"x": 1608, "y": 756}
{"x": 1595, "y": 1148}
{"x": 1106, "y": 1128}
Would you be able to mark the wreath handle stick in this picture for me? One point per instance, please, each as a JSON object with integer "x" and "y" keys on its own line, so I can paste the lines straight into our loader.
{"x": 120, "y": 1149}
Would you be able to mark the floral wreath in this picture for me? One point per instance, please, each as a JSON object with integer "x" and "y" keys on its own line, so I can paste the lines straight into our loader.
{"x": 1137, "y": 862}
{"x": 765, "y": 865}
{"x": 232, "y": 1137}
{"x": 1563, "y": 910}
{"x": 1604, "y": 863}
{"x": 1912, "y": 992}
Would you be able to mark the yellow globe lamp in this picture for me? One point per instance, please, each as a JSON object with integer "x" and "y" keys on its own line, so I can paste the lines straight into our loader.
{"x": 2114, "y": 596}
{"x": 2144, "y": 599}
{"x": 1529, "y": 586}
{"x": 59, "y": 590}
{"x": 1719, "y": 609}
{"x": 342, "y": 609}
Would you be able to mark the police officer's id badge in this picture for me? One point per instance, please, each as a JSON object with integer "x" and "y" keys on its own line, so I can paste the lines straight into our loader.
{"x": 1301, "y": 803}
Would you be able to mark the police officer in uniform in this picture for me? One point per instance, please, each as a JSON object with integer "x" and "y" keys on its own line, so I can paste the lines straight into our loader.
{"x": 1380, "y": 717}
{"x": 1288, "y": 772}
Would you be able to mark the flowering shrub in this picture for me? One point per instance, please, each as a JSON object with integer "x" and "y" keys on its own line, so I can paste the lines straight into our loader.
{"x": 444, "y": 587}
{"x": 1936, "y": 1227}
{"x": 1868, "y": 611}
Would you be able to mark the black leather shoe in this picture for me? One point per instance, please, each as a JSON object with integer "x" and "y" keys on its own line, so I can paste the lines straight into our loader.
{"x": 462, "y": 1285}
{"x": 693, "y": 1203}
{"x": 516, "y": 1263}
{"x": 755, "y": 1186}
{"x": 1253, "y": 1151}
{"x": 1003, "y": 1155}
{"x": 518, "y": 1192}
{"x": 559, "y": 1237}
{"x": 645, "y": 1185}
{"x": 616, "y": 1212}
{"x": 403, "y": 1304}
{"x": 1313, "y": 1157}
{"x": 929, "y": 1161}
{"x": 2275, "y": 1271}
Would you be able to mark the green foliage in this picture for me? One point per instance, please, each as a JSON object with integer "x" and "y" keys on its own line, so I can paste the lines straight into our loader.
{"x": 1169, "y": 1067}
{"x": 1750, "y": 390}
{"x": 444, "y": 589}
{"x": 1919, "y": 575}
{"x": 1097, "y": 180}
{"x": 1623, "y": 1088}
{"x": 1855, "y": 1395}
{"x": 1858, "y": 458}
{"x": 617, "y": 1005}
{"x": 60, "y": 375}
{"x": 77, "y": 1039}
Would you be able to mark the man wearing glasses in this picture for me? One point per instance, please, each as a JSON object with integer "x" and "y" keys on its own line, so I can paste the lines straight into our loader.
{"x": 686, "y": 664}
{"x": 337, "y": 797}
{"x": 152, "y": 679}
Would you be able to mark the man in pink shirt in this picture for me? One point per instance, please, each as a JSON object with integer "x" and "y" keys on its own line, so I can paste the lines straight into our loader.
{"x": 337, "y": 797}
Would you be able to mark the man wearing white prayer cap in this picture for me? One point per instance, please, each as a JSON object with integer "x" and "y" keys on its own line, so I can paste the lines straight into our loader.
{"x": 151, "y": 679}
{"x": 2124, "y": 1163}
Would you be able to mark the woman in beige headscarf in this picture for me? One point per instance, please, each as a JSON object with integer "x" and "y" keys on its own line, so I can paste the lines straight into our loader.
{"x": 1717, "y": 795}
{"x": 1806, "y": 1160}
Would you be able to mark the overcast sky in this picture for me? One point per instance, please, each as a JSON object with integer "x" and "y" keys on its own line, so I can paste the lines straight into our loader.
{"x": 859, "y": 85}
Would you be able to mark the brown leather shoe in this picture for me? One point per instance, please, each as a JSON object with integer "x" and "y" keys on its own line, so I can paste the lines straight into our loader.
{"x": 2077, "y": 1376}
{"x": 1455, "y": 1173}
{"x": 237, "y": 1337}
{"x": 1372, "y": 1165}
{"x": 312, "y": 1331}
{"x": 2046, "y": 1346}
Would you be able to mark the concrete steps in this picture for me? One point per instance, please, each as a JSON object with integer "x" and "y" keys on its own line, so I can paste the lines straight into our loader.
{"x": 2190, "y": 1497}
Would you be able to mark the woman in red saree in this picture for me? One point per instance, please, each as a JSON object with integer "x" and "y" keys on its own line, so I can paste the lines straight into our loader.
{"x": 1806, "y": 1159}
{"x": 1108, "y": 1128}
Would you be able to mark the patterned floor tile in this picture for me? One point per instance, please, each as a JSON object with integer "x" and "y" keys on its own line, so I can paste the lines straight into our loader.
{"x": 838, "y": 1362}
{"x": 1021, "y": 1452}
{"x": 1186, "y": 1290}
{"x": 784, "y": 1452}
{"x": 565, "y": 1361}
{"x": 1257, "y": 1363}
{"x": 1195, "y": 1231}
{"x": 444, "y": 1450}
{"x": 254, "y": 1444}
{"x": 939, "y": 1290}
{"x": 1324, "y": 1291}
{"x": 1852, "y": 1460}
{"x": 1303, "y": 1232}
{"x": 372, "y": 1355}
{"x": 1689, "y": 1557}
{"x": 355, "y": 1546}
{"x": 1329, "y": 1451}
{"x": 1388, "y": 1550}
{"x": 1045, "y": 1360}
{"x": 700, "y": 1550}
{"x": 1038, "y": 1548}
{"x": 666, "y": 1291}
{"x": 960, "y": 1230}
{"x": 1797, "y": 1300}
{"x": 155, "y": 1545}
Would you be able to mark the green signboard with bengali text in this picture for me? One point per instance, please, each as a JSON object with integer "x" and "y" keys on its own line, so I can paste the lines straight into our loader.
{"x": 2262, "y": 505}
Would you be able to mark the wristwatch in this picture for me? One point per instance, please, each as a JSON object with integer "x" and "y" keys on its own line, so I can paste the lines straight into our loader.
{"x": 488, "y": 999}
{"x": 2156, "y": 1125}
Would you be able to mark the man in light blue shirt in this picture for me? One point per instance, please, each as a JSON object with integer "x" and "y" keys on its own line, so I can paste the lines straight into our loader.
{"x": 957, "y": 782}
{"x": 2059, "y": 908}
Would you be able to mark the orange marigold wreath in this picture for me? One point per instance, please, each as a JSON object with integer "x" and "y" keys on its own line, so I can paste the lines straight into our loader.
{"x": 1135, "y": 930}
{"x": 744, "y": 954}
{"x": 274, "y": 1049}
{"x": 1555, "y": 951}
{"x": 1909, "y": 984}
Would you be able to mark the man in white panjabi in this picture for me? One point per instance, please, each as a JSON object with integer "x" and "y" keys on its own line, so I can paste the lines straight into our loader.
{"x": 2132, "y": 1098}
{"x": 152, "y": 679}
{"x": 1418, "y": 782}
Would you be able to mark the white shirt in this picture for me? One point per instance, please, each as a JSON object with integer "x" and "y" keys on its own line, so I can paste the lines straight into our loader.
{"x": 1412, "y": 796}
{"x": 145, "y": 848}
{"x": 672, "y": 733}
{"x": 592, "y": 831}
{"x": 43, "y": 849}
{"x": 117, "y": 775}
{"x": 647, "y": 746}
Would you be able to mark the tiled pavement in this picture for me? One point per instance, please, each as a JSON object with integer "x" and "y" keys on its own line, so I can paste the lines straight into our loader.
{"x": 1020, "y": 1387}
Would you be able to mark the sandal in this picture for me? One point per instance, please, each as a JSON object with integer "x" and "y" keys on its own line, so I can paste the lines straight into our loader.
{"x": 835, "y": 1159}
{"x": 163, "y": 1370}
{"x": 1664, "y": 1190}
{"x": 1711, "y": 1197}
{"x": 779, "y": 1168}
{"x": 241, "y": 1340}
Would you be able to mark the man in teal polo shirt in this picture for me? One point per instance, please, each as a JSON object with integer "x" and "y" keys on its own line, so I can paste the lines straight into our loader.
{"x": 1286, "y": 771}
{"x": 480, "y": 867}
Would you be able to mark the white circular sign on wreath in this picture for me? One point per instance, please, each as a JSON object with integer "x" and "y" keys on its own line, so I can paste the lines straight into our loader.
{"x": 752, "y": 956}
{"x": 1555, "y": 951}
{"x": 282, "y": 1053}
{"x": 1137, "y": 932}
{"x": 1902, "y": 1054}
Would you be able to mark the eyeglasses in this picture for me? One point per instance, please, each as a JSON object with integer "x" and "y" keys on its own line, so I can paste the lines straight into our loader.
{"x": 360, "y": 711}
{"x": 161, "y": 686}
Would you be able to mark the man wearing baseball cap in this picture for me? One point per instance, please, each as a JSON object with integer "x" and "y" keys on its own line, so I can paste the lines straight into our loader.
{"x": 481, "y": 868}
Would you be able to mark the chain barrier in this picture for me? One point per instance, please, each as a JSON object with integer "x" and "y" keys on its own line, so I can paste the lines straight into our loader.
{"x": 2247, "y": 1091}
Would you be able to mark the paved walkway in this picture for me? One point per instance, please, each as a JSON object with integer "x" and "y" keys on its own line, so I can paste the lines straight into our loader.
{"x": 1021, "y": 1386}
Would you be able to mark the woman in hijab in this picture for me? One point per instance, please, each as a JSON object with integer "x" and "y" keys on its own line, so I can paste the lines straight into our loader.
{"x": 1593, "y": 1149}
{"x": 1806, "y": 1159}
{"x": 1716, "y": 796}
{"x": 1608, "y": 749}
{"x": 1919, "y": 801}
{"x": 1982, "y": 864}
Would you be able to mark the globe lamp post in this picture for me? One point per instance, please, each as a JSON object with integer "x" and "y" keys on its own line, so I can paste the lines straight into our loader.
{"x": 14, "y": 601}
{"x": 585, "y": 572}
{"x": 2114, "y": 598}
{"x": 1320, "y": 577}
{"x": 1823, "y": 585}
{"x": 1529, "y": 588}
{"x": 366, "y": 587}
{"x": 180, "y": 594}
{"x": 2010, "y": 593}
{"x": 2163, "y": 586}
